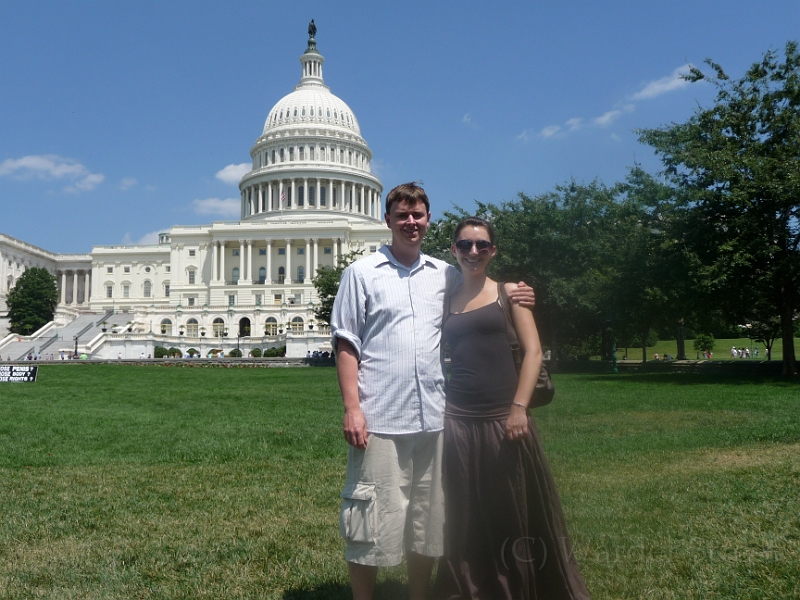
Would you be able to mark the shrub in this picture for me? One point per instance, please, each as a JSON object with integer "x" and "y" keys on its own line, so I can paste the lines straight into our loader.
{"x": 255, "y": 352}
{"x": 275, "y": 352}
{"x": 193, "y": 352}
{"x": 235, "y": 353}
{"x": 175, "y": 352}
{"x": 160, "y": 352}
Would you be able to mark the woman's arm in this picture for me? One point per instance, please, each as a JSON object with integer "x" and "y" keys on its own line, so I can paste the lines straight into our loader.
{"x": 528, "y": 336}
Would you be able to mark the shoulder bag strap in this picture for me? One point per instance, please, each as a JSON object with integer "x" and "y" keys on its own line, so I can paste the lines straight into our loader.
{"x": 511, "y": 331}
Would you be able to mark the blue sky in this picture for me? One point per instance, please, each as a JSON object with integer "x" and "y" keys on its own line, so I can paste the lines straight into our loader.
{"x": 118, "y": 119}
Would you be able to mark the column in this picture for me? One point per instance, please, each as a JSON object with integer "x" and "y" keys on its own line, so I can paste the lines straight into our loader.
{"x": 269, "y": 262}
{"x": 214, "y": 264}
{"x": 63, "y": 294}
{"x": 362, "y": 207}
{"x": 222, "y": 261}
{"x": 241, "y": 259}
{"x": 294, "y": 194}
{"x": 308, "y": 260}
{"x": 250, "y": 260}
{"x": 288, "y": 261}
{"x": 281, "y": 205}
{"x": 269, "y": 197}
{"x": 317, "y": 196}
{"x": 335, "y": 252}
{"x": 86, "y": 288}
{"x": 260, "y": 197}
{"x": 74, "y": 288}
{"x": 342, "y": 203}
{"x": 316, "y": 255}
{"x": 306, "y": 203}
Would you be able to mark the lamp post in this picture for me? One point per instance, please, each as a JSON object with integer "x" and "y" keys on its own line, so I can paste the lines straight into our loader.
{"x": 75, "y": 337}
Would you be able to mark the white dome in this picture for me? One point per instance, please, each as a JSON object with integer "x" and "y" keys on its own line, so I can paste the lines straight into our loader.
{"x": 311, "y": 104}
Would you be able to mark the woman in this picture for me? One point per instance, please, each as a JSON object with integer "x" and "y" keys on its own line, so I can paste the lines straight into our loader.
{"x": 505, "y": 535}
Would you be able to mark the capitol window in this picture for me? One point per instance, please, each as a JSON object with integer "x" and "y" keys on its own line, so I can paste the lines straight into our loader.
{"x": 235, "y": 275}
{"x": 301, "y": 250}
{"x": 262, "y": 251}
{"x": 281, "y": 251}
{"x": 109, "y": 291}
{"x": 166, "y": 289}
{"x": 191, "y": 324}
{"x": 277, "y": 299}
{"x": 191, "y": 277}
{"x": 192, "y": 252}
{"x": 126, "y": 291}
{"x": 312, "y": 111}
{"x": 329, "y": 113}
{"x": 297, "y": 325}
{"x": 236, "y": 252}
{"x": 273, "y": 157}
{"x": 126, "y": 269}
{"x": 166, "y": 327}
{"x": 295, "y": 112}
{"x": 191, "y": 303}
{"x": 281, "y": 154}
{"x": 218, "y": 327}
{"x": 108, "y": 269}
{"x": 304, "y": 111}
{"x": 326, "y": 250}
{"x": 271, "y": 326}
{"x": 148, "y": 289}
{"x": 291, "y": 153}
{"x": 302, "y": 152}
{"x": 232, "y": 300}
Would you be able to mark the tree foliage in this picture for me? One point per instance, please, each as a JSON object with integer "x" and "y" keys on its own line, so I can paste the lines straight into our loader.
{"x": 32, "y": 301}
{"x": 326, "y": 283}
{"x": 740, "y": 162}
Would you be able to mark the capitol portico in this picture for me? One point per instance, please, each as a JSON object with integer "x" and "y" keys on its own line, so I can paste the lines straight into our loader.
{"x": 309, "y": 199}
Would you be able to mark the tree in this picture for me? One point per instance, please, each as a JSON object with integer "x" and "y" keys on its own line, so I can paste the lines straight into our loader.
{"x": 32, "y": 301}
{"x": 740, "y": 161}
{"x": 704, "y": 342}
{"x": 326, "y": 283}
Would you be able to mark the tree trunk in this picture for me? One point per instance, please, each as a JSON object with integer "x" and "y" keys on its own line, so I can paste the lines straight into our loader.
{"x": 787, "y": 335}
{"x": 681, "y": 341}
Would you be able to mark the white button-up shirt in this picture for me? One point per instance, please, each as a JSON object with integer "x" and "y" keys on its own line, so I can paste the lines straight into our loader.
{"x": 392, "y": 316}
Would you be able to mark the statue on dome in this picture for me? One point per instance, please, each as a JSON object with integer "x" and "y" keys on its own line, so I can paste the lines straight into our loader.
{"x": 312, "y": 30}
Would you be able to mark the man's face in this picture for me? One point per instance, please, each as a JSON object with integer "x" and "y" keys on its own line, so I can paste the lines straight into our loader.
{"x": 408, "y": 222}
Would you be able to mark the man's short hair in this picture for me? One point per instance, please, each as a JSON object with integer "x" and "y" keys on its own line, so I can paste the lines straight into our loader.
{"x": 407, "y": 192}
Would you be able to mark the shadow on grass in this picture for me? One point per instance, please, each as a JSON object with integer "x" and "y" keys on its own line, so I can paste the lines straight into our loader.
{"x": 384, "y": 590}
{"x": 677, "y": 378}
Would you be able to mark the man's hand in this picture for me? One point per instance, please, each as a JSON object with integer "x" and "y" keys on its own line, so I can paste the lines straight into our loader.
{"x": 354, "y": 427}
{"x": 523, "y": 295}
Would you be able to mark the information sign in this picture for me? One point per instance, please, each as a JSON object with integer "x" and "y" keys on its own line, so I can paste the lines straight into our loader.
{"x": 18, "y": 374}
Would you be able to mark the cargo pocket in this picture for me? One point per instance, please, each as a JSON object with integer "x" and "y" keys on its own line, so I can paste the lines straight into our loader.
{"x": 357, "y": 519}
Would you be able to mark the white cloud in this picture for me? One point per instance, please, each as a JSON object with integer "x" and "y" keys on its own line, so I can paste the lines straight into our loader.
{"x": 574, "y": 124}
{"x": 51, "y": 166}
{"x": 607, "y": 118}
{"x": 550, "y": 131}
{"x": 229, "y": 207}
{"x": 148, "y": 239}
{"x": 379, "y": 168}
{"x": 466, "y": 118}
{"x": 127, "y": 183}
{"x": 233, "y": 173}
{"x": 525, "y": 135}
{"x": 664, "y": 85}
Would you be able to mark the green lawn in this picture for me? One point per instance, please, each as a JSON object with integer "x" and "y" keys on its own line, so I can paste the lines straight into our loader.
{"x": 722, "y": 349}
{"x": 121, "y": 482}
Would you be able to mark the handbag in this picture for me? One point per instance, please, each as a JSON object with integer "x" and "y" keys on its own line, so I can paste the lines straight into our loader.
{"x": 545, "y": 390}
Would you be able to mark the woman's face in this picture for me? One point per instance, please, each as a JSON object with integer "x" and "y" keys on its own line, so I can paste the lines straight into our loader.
{"x": 473, "y": 250}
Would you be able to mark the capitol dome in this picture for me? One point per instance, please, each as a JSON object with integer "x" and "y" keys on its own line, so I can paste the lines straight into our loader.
{"x": 310, "y": 154}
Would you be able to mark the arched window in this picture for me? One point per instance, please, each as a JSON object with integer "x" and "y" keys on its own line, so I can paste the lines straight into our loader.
{"x": 300, "y": 195}
{"x": 322, "y": 196}
{"x": 218, "y": 327}
{"x": 166, "y": 327}
{"x": 148, "y": 289}
{"x": 271, "y": 326}
{"x": 311, "y": 199}
{"x": 273, "y": 157}
{"x": 297, "y": 325}
{"x": 191, "y": 328}
{"x": 281, "y": 274}
{"x": 262, "y": 274}
{"x": 301, "y": 274}
{"x": 235, "y": 279}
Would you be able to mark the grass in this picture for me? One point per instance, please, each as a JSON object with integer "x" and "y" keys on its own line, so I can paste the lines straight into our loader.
{"x": 722, "y": 349}
{"x": 153, "y": 482}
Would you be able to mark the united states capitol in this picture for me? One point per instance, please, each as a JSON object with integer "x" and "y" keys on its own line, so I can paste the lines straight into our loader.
{"x": 309, "y": 199}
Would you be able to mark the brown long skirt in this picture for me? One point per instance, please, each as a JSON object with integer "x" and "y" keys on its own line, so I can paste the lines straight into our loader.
{"x": 505, "y": 533}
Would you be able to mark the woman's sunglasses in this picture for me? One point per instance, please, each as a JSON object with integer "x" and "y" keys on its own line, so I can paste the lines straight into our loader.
{"x": 482, "y": 246}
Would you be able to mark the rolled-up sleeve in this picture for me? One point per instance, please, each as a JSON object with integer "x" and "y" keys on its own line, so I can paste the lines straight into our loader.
{"x": 348, "y": 315}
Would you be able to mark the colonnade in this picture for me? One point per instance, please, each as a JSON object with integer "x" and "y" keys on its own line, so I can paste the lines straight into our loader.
{"x": 311, "y": 193}
{"x": 74, "y": 298}
{"x": 248, "y": 266}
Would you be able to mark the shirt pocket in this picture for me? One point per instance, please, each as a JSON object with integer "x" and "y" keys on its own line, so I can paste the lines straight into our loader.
{"x": 357, "y": 519}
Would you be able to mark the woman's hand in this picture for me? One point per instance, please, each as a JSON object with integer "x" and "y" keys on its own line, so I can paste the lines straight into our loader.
{"x": 517, "y": 424}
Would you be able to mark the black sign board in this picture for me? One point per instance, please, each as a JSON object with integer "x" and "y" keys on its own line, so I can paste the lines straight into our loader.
{"x": 17, "y": 374}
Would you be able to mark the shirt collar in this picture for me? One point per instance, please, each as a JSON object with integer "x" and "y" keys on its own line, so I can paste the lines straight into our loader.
{"x": 388, "y": 257}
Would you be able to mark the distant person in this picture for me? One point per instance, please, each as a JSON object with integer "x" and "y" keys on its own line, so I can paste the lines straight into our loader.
{"x": 733, "y": 352}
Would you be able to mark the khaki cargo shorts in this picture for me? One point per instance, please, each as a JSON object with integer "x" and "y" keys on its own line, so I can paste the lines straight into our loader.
{"x": 393, "y": 499}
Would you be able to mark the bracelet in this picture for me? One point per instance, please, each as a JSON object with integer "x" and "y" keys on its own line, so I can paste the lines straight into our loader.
{"x": 520, "y": 405}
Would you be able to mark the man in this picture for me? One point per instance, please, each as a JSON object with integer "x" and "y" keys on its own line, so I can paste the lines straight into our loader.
{"x": 386, "y": 327}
